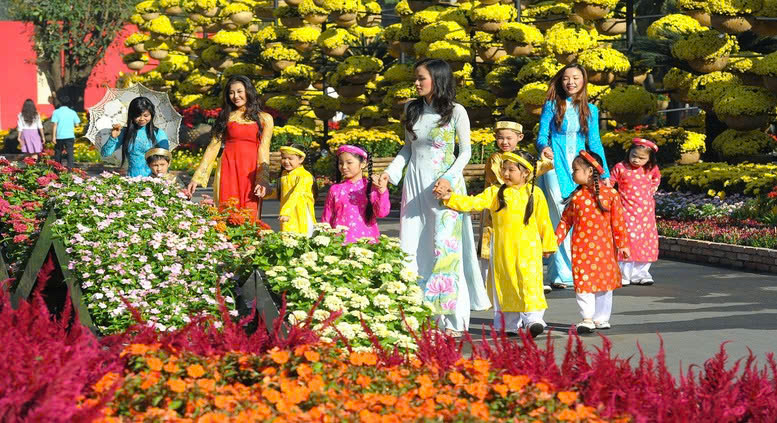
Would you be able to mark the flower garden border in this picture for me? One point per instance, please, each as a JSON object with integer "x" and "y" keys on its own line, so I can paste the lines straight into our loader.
{"x": 252, "y": 293}
{"x": 718, "y": 254}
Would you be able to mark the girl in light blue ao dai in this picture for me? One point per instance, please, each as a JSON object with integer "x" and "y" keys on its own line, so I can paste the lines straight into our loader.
{"x": 137, "y": 138}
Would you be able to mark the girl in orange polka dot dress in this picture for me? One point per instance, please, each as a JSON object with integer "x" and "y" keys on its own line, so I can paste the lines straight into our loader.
{"x": 638, "y": 178}
{"x": 599, "y": 238}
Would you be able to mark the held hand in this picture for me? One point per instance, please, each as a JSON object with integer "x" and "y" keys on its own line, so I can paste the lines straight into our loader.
{"x": 383, "y": 180}
{"x": 115, "y": 130}
{"x": 442, "y": 185}
{"x": 624, "y": 252}
{"x": 191, "y": 188}
{"x": 547, "y": 152}
{"x": 546, "y": 255}
{"x": 260, "y": 190}
{"x": 377, "y": 186}
{"x": 283, "y": 219}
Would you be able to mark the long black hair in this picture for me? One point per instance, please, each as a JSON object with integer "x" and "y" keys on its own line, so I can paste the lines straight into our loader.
{"x": 443, "y": 94}
{"x": 597, "y": 177}
{"x": 253, "y": 105}
{"x": 29, "y": 112}
{"x": 369, "y": 212}
{"x": 530, "y": 204}
{"x": 137, "y": 106}
{"x": 651, "y": 163}
{"x": 557, "y": 93}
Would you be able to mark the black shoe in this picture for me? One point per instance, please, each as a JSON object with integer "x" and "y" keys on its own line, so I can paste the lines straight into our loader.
{"x": 535, "y": 329}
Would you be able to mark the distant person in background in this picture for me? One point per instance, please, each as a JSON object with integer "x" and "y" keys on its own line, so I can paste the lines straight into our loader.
{"x": 63, "y": 135}
{"x": 30, "y": 129}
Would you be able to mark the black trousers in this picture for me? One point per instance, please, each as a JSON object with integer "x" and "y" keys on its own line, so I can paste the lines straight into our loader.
{"x": 64, "y": 143}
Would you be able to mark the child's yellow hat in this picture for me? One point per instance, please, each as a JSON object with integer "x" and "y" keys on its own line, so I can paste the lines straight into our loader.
{"x": 159, "y": 152}
{"x": 292, "y": 150}
{"x": 506, "y": 124}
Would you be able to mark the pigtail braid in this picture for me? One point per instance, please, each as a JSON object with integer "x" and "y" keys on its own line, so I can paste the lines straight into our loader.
{"x": 501, "y": 196}
{"x": 596, "y": 192}
{"x": 530, "y": 204}
{"x": 369, "y": 212}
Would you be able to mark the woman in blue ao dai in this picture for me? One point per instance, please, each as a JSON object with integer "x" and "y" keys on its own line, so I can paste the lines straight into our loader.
{"x": 568, "y": 124}
{"x": 137, "y": 138}
{"x": 439, "y": 240}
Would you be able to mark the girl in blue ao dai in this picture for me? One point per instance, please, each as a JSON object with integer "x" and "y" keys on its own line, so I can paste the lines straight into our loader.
{"x": 568, "y": 124}
{"x": 137, "y": 138}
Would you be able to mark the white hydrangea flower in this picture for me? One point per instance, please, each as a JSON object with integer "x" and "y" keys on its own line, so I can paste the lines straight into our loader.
{"x": 331, "y": 259}
{"x": 395, "y": 287}
{"x": 300, "y": 283}
{"x": 412, "y": 322}
{"x": 408, "y": 275}
{"x": 382, "y": 301}
{"x": 309, "y": 256}
{"x": 385, "y": 268}
{"x": 321, "y": 240}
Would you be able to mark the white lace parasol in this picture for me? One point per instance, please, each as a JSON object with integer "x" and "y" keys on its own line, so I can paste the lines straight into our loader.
{"x": 112, "y": 109}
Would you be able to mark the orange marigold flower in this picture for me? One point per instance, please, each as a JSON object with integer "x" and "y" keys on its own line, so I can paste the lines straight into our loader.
{"x": 222, "y": 401}
{"x": 363, "y": 381}
{"x": 366, "y": 416}
{"x": 567, "y": 415}
{"x": 481, "y": 366}
{"x": 105, "y": 382}
{"x": 584, "y": 411}
{"x": 195, "y": 371}
{"x": 176, "y": 385}
{"x": 154, "y": 364}
{"x": 567, "y": 397}
{"x": 478, "y": 390}
{"x": 150, "y": 380}
{"x": 516, "y": 383}
{"x": 171, "y": 367}
{"x": 236, "y": 219}
{"x": 269, "y": 371}
{"x": 279, "y": 356}
{"x": 444, "y": 399}
{"x": 480, "y": 410}
{"x": 213, "y": 417}
{"x": 501, "y": 389}
{"x": 304, "y": 371}
{"x": 316, "y": 384}
{"x": 537, "y": 412}
{"x": 221, "y": 227}
{"x": 271, "y": 395}
{"x": 426, "y": 391}
{"x": 136, "y": 349}
{"x": 543, "y": 387}
{"x": 312, "y": 356}
{"x": 363, "y": 359}
{"x": 207, "y": 385}
{"x": 457, "y": 378}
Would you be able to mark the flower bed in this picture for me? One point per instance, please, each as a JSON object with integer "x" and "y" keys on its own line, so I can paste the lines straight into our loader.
{"x": 746, "y": 178}
{"x": 747, "y": 232}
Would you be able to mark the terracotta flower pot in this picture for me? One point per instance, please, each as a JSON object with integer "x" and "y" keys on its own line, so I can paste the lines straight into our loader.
{"x": 174, "y": 11}
{"x": 566, "y": 59}
{"x": 534, "y": 109}
{"x": 700, "y": 15}
{"x": 731, "y": 24}
{"x": 770, "y": 82}
{"x": 324, "y": 114}
{"x": 344, "y": 17}
{"x": 336, "y": 51}
{"x": 319, "y": 85}
{"x": 601, "y": 78}
{"x": 196, "y": 17}
{"x": 292, "y": 21}
{"x": 407, "y": 47}
{"x": 226, "y": 63}
{"x": 591, "y": 11}
{"x": 491, "y": 54}
{"x": 213, "y": 11}
{"x": 370, "y": 20}
{"x": 136, "y": 65}
{"x": 139, "y": 48}
{"x": 350, "y": 108}
{"x": 489, "y": 2}
{"x": 640, "y": 78}
{"x": 361, "y": 78}
{"x": 704, "y": 66}
{"x": 514, "y": 48}
{"x": 303, "y": 47}
{"x": 241, "y": 18}
{"x": 293, "y": 3}
{"x": 395, "y": 49}
{"x": 745, "y": 123}
{"x": 689, "y": 158}
{"x": 373, "y": 122}
{"x": 280, "y": 65}
{"x": 158, "y": 54}
{"x": 611, "y": 26}
{"x": 346, "y": 24}
{"x": 764, "y": 28}
{"x": 418, "y": 5}
{"x": 351, "y": 91}
{"x": 316, "y": 19}
{"x": 490, "y": 26}
{"x": 150, "y": 16}
{"x": 232, "y": 49}
{"x": 204, "y": 88}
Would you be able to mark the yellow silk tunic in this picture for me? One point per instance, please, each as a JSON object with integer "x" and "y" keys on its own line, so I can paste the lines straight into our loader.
{"x": 493, "y": 174}
{"x": 297, "y": 201}
{"x": 517, "y": 249}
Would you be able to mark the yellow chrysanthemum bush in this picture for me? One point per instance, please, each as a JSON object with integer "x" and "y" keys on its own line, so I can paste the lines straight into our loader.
{"x": 533, "y": 94}
{"x": 745, "y": 100}
{"x": 687, "y": 5}
{"x": 734, "y": 7}
{"x": 281, "y": 53}
{"x": 271, "y": 33}
{"x": 766, "y": 66}
{"x": 379, "y": 141}
{"x": 450, "y": 51}
{"x": 309, "y": 7}
{"x": 672, "y": 26}
{"x": 399, "y": 72}
{"x": 160, "y": 26}
{"x": 298, "y": 72}
{"x": 286, "y": 104}
{"x": 567, "y": 37}
{"x": 629, "y": 102}
{"x": 678, "y": 80}
{"x": 473, "y": 97}
{"x": 734, "y": 144}
{"x": 335, "y": 37}
{"x": 603, "y": 3}
{"x": 604, "y": 59}
{"x": 671, "y": 141}
{"x": 230, "y": 38}
{"x": 538, "y": 70}
{"x": 175, "y": 62}
{"x": 324, "y": 102}
{"x": 709, "y": 87}
{"x": 704, "y": 45}
{"x": 399, "y": 92}
{"x": 493, "y": 13}
{"x": 444, "y": 30}
{"x": 136, "y": 38}
{"x": 743, "y": 178}
{"x": 305, "y": 34}
{"x": 520, "y": 33}
{"x": 544, "y": 9}
{"x": 355, "y": 65}
{"x": 148, "y": 6}
{"x": 340, "y": 6}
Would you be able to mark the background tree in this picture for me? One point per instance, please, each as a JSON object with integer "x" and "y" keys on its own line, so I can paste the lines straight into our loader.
{"x": 71, "y": 37}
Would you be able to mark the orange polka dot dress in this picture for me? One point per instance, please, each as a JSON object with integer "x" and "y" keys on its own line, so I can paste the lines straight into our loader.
{"x": 636, "y": 186}
{"x": 594, "y": 261}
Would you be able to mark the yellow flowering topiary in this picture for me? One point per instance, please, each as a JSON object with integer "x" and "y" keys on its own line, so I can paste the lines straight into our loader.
{"x": 234, "y": 7}
{"x": 494, "y": 13}
{"x": 473, "y": 97}
{"x": 734, "y": 7}
{"x": 546, "y": 8}
{"x": 340, "y": 6}
{"x": 744, "y": 178}
{"x": 335, "y": 37}
{"x": 566, "y": 37}
{"x": 248, "y": 69}
{"x": 365, "y": 31}
{"x": 399, "y": 72}
{"x": 305, "y": 34}
{"x": 670, "y": 26}
{"x": 465, "y": 75}
{"x": 136, "y": 38}
{"x": 148, "y": 6}
{"x": 520, "y": 33}
{"x": 603, "y": 3}
{"x": 604, "y": 59}
{"x": 298, "y": 72}
{"x": 733, "y": 143}
{"x": 450, "y": 50}
{"x": 705, "y": 45}
{"x": 678, "y": 79}
{"x": 355, "y": 65}
{"x": 160, "y": 26}
{"x": 309, "y": 7}
{"x": 693, "y": 5}
{"x": 745, "y": 100}
{"x": 230, "y": 38}
{"x": 326, "y": 102}
{"x": 743, "y": 62}
{"x": 271, "y": 33}
{"x": 482, "y": 38}
{"x": 538, "y": 70}
{"x": 286, "y": 104}
{"x": 281, "y": 53}
{"x": 444, "y": 30}
{"x": 199, "y": 79}
{"x": 391, "y": 32}
{"x": 629, "y": 99}
{"x": 400, "y": 91}
{"x": 766, "y": 66}
{"x": 403, "y": 8}
{"x": 175, "y": 62}
{"x": 709, "y": 87}
{"x": 426, "y": 16}
{"x": 685, "y": 141}
{"x": 534, "y": 93}
{"x": 373, "y": 8}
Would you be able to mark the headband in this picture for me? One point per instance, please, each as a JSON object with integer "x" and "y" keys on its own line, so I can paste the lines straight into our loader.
{"x": 592, "y": 161}
{"x": 506, "y": 124}
{"x": 351, "y": 149}
{"x": 645, "y": 143}
{"x": 159, "y": 152}
{"x": 512, "y": 157}
{"x": 292, "y": 150}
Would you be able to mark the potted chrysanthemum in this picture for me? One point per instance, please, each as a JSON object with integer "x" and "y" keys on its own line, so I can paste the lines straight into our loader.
{"x": 629, "y": 104}
{"x": 372, "y": 14}
{"x": 399, "y": 94}
{"x": 533, "y": 96}
{"x": 697, "y": 9}
{"x": 520, "y": 39}
{"x": 767, "y": 68}
{"x": 479, "y": 103}
{"x": 566, "y": 40}
{"x": 707, "y": 88}
{"x": 137, "y": 42}
{"x": 336, "y": 41}
{"x": 705, "y": 51}
{"x": 304, "y": 37}
{"x": 358, "y": 70}
{"x": 745, "y": 108}
{"x": 733, "y": 16}
{"x": 135, "y": 61}
{"x": 603, "y": 64}
{"x": 281, "y": 57}
{"x": 324, "y": 106}
{"x": 593, "y": 9}
{"x": 488, "y": 49}
{"x": 313, "y": 13}
{"x": 490, "y": 18}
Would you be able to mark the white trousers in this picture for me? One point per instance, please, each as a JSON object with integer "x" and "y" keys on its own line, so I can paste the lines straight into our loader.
{"x": 635, "y": 271}
{"x": 596, "y": 306}
{"x": 514, "y": 320}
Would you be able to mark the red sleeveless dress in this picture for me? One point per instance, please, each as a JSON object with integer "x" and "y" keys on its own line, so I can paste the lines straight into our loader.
{"x": 239, "y": 163}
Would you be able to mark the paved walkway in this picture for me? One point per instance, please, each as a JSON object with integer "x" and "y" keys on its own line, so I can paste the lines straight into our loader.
{"x": 694, "y": 308}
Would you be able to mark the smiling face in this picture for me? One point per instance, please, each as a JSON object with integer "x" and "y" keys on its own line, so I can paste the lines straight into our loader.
{"x": 581, "y": 172}
{"x": 143, "y": 118}
{"x": 513, "y": 174}
{"x": 572, "y": 81}
{"x": 507, "y": 140}
{"x": 423, "y": 82}
{"x": 159, "y": 167}
{"x": 237, "y": 94}
{"x": 350, "y": 166}
{"x": 290, "y": 161}
{"x": 638, "y": 156}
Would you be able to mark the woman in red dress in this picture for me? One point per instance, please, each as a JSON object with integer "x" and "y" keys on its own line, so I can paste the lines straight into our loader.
{"x": 242, "y": 172}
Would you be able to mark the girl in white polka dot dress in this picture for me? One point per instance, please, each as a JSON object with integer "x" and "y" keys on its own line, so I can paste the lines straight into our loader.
{"x": 355, "y": 202}
{"x": 637, "y": 179}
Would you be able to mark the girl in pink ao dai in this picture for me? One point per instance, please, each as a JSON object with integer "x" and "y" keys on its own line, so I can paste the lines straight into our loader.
{"x": 355, "y": 202}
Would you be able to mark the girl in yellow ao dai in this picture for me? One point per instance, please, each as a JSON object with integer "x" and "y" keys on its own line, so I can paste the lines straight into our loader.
{"x": 523, "y": 234}
{"x": 297, "y": 213}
